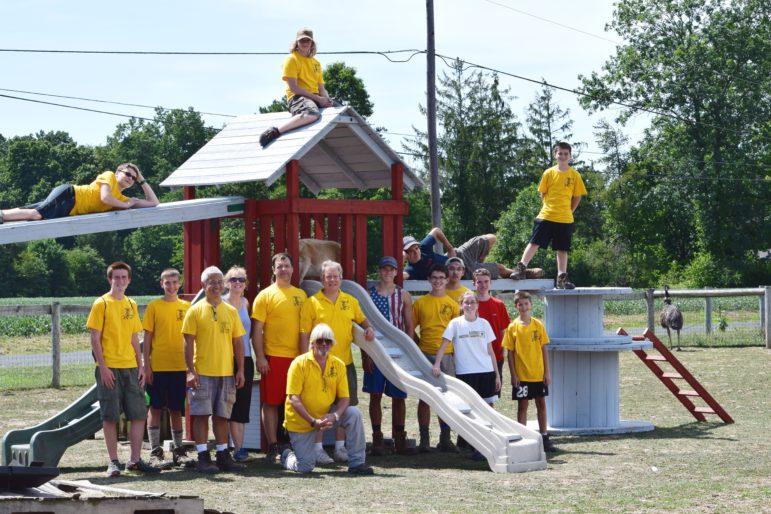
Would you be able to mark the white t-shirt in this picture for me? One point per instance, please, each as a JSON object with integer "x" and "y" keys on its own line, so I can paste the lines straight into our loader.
{"x": 470, "y": 340}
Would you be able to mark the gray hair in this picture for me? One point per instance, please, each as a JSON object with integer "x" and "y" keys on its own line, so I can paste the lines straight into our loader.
{"x": 331, "y": 264}
{"x": 208, "y": 272}
{"x": 322, "y": 331}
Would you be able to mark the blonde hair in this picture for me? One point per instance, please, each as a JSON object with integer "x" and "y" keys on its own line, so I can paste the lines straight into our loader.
{"x": 170, "y": 273}
{"x": 295, "y": 47}
{"x": 236, "y": 271}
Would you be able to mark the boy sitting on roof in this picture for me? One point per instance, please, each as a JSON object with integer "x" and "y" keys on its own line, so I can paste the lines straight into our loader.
{"x": 305, "y": 91}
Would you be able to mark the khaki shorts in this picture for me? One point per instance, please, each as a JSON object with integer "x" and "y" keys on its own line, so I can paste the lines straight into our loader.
{"x": 126, "y": 396}
{"x": 447, "y": 365}
{"x": 214, "y": 396}
{"x": 302, "y": 105}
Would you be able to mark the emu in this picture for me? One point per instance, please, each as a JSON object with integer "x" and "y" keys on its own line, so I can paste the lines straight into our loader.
{"x": 671, "y": 318}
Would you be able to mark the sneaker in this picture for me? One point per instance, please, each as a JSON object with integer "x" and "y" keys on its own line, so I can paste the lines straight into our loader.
{"x": 157, "y": 459}
{"x": 273, "y": 453}
{"x": 548, "y": 447}
{"x": 362, "y": 470}
{"x": 241, "y": 455}
{"x": 340, "y": 454}
{"x": 519, "y": 271}
{"x": 269, "y": 136}
{"x": 563, "y": 282}
{"x": 205, "y": 465}
{"x": 289, "y": 460}
{"x": 225, "y": 462}
{"x": 141, "y": 466}
{"x": 113, "y": 469}
{"x": 180, "y": 458}
{"x": 323, "y": 458}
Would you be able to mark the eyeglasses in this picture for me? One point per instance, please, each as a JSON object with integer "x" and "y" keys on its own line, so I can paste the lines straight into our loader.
{"x": 214, "y": 314}
{"x": 325, "y": 341}
{"x": 237, "y": 279}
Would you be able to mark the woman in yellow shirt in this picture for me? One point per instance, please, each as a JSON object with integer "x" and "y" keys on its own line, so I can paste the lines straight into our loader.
{"x": 103, "y": 194}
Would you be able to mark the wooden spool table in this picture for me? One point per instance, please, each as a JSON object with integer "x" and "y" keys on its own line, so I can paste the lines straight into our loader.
{"x": 584, "y": 395}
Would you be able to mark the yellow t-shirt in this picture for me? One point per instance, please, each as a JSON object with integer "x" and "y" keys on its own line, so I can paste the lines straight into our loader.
{"x": 528, "y": 342}
{"x": 279, "y": 309}
{"x": 432, "y": 314}
{"x": 307, "y": 71}
{"x": 558, "y": 189}
{"x": 340, "y": 316}
{"x": 214, "y": 329}
{"x": 455, "y": 294}
{"x": 316, "y": 392}
{"x": 164, "y": 319}
{"x": 118, "y": 320}
{"x": 88, "y": 199}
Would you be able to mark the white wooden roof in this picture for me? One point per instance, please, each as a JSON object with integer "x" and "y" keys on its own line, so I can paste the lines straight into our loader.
{"x": 339, "y": 150}
{"x": 165, "y": 213}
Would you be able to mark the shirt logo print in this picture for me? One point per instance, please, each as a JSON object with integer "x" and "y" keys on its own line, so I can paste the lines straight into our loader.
{"x": 345, "y": 305}
{"x": 180, "y": 314}
{"x": 128, "y": 313}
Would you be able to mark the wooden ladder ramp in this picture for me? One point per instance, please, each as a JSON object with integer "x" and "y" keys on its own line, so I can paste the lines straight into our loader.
{"x": 673, "y": 380}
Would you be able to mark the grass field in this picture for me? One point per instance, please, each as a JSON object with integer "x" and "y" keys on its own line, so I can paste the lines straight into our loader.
{"x": 682, "y": 466}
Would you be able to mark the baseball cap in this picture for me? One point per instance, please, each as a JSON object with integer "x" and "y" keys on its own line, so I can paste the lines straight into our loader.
{"x": 303, "y": 33}
{"x": 387, "y": 261}
{"x": 408, "y": 241}
{"x": 455, "y": 260}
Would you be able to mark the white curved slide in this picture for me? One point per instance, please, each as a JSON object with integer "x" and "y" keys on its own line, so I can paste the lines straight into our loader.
{"x": 508, "y": 446}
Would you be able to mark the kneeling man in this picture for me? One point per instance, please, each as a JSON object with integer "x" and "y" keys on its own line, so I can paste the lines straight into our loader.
{"x": 317, "y": 399}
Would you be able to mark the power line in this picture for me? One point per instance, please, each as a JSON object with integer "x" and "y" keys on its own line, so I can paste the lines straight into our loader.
{"x": 74, "y": 107}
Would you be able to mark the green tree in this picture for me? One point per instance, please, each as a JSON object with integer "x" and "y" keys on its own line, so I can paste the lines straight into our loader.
{"x": 704, "y": 69}
{"x": 88, "y": 271}
{"x": 342, "y": 84}
{"x": 548, "y": 124}
{"x": 479, "y": 144}
{"x": 149, "y": 250}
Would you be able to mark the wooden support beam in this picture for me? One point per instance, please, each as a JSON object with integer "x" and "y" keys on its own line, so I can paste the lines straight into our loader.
{"x": 344, "y": 168}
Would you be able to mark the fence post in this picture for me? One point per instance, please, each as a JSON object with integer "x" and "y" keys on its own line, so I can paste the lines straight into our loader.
{"x": 56, "y": 338}
{"x": 708, "y": 315}
{"x": 767, "y": 312}
{"x": 650, "y": 305}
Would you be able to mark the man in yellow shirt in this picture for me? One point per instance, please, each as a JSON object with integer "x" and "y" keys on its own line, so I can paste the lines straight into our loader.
{"x": 305, "y": 91}
{"x": 103, "y": 194}
{"x": 432, "y": 313}
{"x": 276, "y": 339}
{"x": 317, "y": 400}
{"x": 213, "y": 333}
{"x": 561, "y": 189}
{"x": 340, "y": 311}
{"x": 165, "y": 368}
{"x": 114, "y": 324}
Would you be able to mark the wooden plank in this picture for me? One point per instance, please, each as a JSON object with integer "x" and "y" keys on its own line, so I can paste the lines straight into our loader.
{"x": 346, "y": 245}
{"x": 265, "y": 251}
{"x": 361, "y": 249}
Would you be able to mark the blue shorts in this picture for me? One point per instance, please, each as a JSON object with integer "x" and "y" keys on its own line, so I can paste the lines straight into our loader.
{"x": 57, "y": 204}
{"x": 377, "y": 383}
{"x": 169, "y": 389}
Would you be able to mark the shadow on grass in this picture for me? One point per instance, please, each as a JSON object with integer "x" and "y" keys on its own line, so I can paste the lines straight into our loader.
{"x": 694, "y": 430}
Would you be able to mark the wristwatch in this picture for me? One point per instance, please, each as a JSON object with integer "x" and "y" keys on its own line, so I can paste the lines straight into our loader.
{"x": 337, "y": 417}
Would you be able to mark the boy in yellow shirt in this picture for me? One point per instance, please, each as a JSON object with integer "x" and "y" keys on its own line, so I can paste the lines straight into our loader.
{"x": 165, "y": 368}
{"x": 561, "y": 189}
{"x": 526, "y": 340}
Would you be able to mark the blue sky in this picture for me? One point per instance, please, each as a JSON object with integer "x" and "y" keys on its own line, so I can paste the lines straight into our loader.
{"x": 488, "y": 32}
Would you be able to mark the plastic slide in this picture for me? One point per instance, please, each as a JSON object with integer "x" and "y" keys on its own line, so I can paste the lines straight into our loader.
{"x": 45, "y": 443}
{"x": 507, "y": 445}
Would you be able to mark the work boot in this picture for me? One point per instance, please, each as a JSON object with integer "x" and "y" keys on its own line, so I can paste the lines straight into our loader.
{"x": 548, "y": 447}
{"x": 400, "y": 444}
{"x": 563, "y": 282}
{"x": 519, "y": 271}
{"x": 225, "y": 462}
{"x": 205, "y": 464}
{"x": 378, "y": 446}
{"x": 269, "y": 136}
{"x": 157, "y": 459}
{"x": 424, "y": 446}
{"x": 274, "y": 453}
{"x": 180, "y": 457}
{"x": 462, "y": 444}
{"x": 445, "y": 443}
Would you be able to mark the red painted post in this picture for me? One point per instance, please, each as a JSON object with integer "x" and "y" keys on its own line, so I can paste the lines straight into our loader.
{"x": 361, "y": 250}
{"x": 265, "y": 251}
{"x": 346, "y": 245}
{"x": 333, "y": 228}
{"x": 250, "y": 247}
{"x": 188, "y": 230}
{"x": 318, "y": 226}
{"x": 397, "y": 193}
{"x": 293, "y": 216}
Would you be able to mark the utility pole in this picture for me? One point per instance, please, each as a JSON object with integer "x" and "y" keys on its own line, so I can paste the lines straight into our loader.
{"x": 433, "y": 161}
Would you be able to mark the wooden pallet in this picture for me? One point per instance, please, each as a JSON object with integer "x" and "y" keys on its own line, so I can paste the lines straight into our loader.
{"x": 673, "y": 380}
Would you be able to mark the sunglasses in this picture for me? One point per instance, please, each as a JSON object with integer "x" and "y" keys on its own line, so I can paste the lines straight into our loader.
{"x": 131, "y": 176}
{"x": 237, "y": 279}
{"x": 325, "y": 341}
{"x": 214, "y": 314}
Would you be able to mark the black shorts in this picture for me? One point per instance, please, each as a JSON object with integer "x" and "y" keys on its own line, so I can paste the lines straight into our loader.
{"x": 57, "y": 204}
{"x": 529, "y": 390}
{"x": 482, "y": 383}
{"x": 169, "y": 389}
{"x": 559, "y": 234}
{"x": 240, "y": 412}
